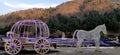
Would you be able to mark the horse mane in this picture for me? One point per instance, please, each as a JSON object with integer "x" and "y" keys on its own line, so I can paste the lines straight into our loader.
{"x": 99, "y": 26}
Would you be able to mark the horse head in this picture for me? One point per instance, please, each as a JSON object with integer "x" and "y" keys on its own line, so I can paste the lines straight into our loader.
{"x": 103, "y": 27}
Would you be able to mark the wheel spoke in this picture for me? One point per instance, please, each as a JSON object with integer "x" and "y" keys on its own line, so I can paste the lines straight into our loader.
{"x": 8, "y": 49}
{"x": 46, "y": 43}
{"x": 18, "y": 45}
{"x": 8, "y": 41}
{"x": 14, "y": 41}
{"x": 16, "y": 50}
{"x": 42, "y": 40}
{"x": 39, "y": 41}
{"x": 46, "y": 47}
{"x": 45, "y": 50}
{"x": 7, "y": 44}
{"x": 42, "y": 51}
{"x": 37, "y": 47}
{"x": 13, "y": 51}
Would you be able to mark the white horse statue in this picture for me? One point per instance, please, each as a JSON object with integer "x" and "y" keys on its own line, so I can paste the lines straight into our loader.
{"x": 90, "y": 35}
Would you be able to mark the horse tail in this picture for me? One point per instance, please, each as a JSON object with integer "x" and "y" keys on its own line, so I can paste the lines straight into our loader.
{"x": 74, "y": 34}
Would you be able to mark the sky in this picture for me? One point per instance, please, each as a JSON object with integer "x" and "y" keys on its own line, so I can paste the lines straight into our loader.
{"x": 7, "y": 6}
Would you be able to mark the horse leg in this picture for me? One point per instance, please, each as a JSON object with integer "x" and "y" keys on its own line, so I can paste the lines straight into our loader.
{"x": 97, "y": 45}
{"x": 88, "y": 43}
{"x": 79, "y": 43}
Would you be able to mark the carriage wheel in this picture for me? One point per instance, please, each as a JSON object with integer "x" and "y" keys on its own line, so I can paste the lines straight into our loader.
{"x": 41, "y": 46}
{"x": 13, "y": 47}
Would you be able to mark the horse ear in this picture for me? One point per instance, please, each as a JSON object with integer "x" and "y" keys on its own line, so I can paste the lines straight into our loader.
{"x": 104, "y": 24}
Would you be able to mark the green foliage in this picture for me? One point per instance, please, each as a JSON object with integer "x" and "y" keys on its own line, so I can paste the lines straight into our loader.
{"x": 3, "y": 31}
{"x": 93, "y": 19}
{"x": 116, "y": 12}
{"x": 63, "y": 23}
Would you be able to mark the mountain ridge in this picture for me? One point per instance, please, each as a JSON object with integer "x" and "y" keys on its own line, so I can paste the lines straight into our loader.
{"x": 75, "y": 7}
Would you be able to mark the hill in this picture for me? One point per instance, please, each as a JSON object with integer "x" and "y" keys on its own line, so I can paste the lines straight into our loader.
{"x": 74, "y": 7}
{"x": 35, "y": 13}
{"x": 83, "y": 6}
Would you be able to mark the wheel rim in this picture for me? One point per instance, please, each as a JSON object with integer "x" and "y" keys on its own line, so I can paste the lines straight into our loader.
{"x": 13, "y": 47}
{"x": 41, "y": 46}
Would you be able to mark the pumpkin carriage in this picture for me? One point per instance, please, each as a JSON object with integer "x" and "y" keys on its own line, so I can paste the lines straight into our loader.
{"x": 29, "y": 34}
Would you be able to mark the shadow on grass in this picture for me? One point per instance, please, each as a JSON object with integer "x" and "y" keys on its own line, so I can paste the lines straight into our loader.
{"x": 27, "y": 52}
{"x": 33, "y": 52}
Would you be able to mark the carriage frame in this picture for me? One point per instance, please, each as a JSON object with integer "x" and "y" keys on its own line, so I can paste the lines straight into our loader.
{"x": 29, "y": 34}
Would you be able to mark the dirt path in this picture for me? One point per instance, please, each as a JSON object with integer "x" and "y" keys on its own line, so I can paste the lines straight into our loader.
{"x": 74, "y": 51}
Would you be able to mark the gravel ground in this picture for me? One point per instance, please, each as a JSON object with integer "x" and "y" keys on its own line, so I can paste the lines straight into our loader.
{"x": 73, "y": 51}
{"x": 87, "y": 51}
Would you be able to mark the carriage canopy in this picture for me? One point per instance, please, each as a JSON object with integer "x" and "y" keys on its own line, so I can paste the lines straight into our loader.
{"x": 30, "y": 28}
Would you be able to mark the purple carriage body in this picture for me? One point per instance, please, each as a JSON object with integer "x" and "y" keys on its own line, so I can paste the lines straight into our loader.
{"x": 28, "y": 34}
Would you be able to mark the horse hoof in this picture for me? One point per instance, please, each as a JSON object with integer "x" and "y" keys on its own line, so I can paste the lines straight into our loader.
{"x": 81, "y": 51}
{"x": 98, "y": 51}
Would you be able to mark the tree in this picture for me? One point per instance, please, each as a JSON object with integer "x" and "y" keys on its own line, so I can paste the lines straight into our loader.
{"x": 116, "y": 12}
{"x": 4, "y": 30}
{"x": 93, "y": 19}
{"x": 63, "y": 23}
